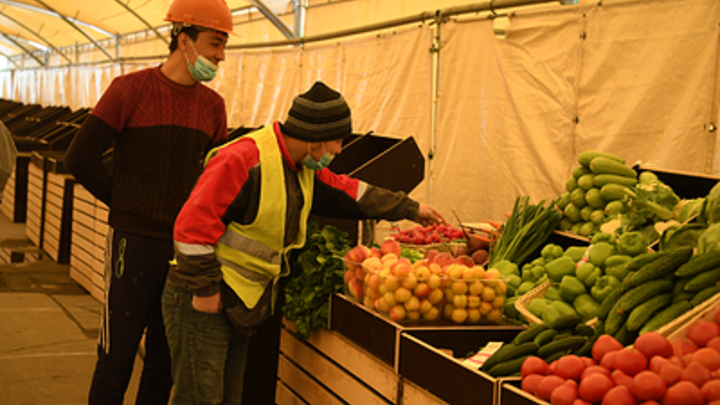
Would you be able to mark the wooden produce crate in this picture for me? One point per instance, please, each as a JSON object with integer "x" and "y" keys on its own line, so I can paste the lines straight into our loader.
{"x": 14, "y": 200}
{"x": 87, "y": 250}
{"x": 35, "y": 220}
{"x": 510, "y": 393}
{"x": 58, "y": 210}
{"x": 677, "y": 329}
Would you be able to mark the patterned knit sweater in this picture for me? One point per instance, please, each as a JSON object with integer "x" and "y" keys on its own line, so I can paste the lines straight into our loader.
{"x": 159, "y": 131}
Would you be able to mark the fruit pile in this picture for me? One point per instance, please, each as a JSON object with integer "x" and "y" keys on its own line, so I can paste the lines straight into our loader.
{"x": 434, "y": 287}
{"x": 654, "y": 370}
{"x": 428, "y": 235}
{"x": 594, "y": 191}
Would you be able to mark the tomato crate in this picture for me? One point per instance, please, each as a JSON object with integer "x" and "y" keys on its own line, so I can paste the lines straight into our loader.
{"x": 511, "y": 393}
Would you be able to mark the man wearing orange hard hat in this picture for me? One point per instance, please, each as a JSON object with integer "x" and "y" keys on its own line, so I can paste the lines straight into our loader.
{"x": 159, "y": 122}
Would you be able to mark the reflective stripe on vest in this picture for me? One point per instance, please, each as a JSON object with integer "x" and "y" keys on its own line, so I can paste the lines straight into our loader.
{"x": 252, "y": 255}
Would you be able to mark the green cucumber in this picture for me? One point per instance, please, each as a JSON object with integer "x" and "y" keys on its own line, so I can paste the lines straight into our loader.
{"x": 658, "y": 269}
{"x": 703, "y": 280}
{"x": 585, "y": 157}
{"x": 699, "y": 263}
{"x": 567, "y": 321}
{"x": 608, "y": 303}
{"x": 568, "y": 343}
{"x": 625, "y": 336}
{"x": 507, "y": 368}
{"x": 615, "y": 319}
{"x": 642, "y": 293}
{"x": 704, "y": 295}
{"x": 529, "y": 334}
{"x": 683, "y": 296}
{"x": 522, "y": 349}
{"x": 603, "y": 165}
{"x": 545, "y": 336}
{"x": 665, "y": 316}
{"x": 643, "y": 312}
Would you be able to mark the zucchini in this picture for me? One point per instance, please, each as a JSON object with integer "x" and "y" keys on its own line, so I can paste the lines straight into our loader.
{"x": 585, "y": 181}
{"x": 584, "y": 330}
{"x": 602, "y": 179}
{"x": 683, "y": 296}
{"x": 665, "y": 316}
{"x": 561, "y": 345}
{"x": 704, "y": 294}
{"x": 643, "y": 312}
{"x": 585, "y": 349}
{"x": 545, "y": 336}
{"x": 612, "y": 191}
{"x": 642, "y": 293}
{"x": 522, "y": 349}
{"x": 579, "y": 171}
{"x": 493, "y": 360}
{"x": 603, "y": 165}
{"x": 507, "y": 368}
{"x": 584, "y": 158}
{"x": 703, "y": 280}
{"x": 567, "y": 321}
{"x": 608, "y": 303}
{"x": 571, "y": 184}
{"x": 594, "y": 199}
{"x": 658, "y": 269}
{"x": 529, "y": 334}
{"x": 699, "y": 263}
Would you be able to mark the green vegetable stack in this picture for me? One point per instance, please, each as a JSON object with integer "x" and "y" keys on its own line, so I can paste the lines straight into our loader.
{"x": 594, "y": 192}
{"x": 658, "y": 287}
{"x": 566, "y": 334}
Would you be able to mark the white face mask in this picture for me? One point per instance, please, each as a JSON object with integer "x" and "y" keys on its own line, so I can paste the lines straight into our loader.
{"x": 324, "y": 162}
{"x": 203, "y": 70}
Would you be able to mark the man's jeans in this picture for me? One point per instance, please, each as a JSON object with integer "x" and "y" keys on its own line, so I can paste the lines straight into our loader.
{"x": 208, "y": 354}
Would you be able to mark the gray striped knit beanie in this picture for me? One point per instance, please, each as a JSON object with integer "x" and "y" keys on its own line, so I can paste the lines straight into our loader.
{"x": 320, "y": 114}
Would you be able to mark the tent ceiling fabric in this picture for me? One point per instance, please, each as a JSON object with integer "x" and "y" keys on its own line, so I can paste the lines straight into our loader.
{"x": 39, "y": 24}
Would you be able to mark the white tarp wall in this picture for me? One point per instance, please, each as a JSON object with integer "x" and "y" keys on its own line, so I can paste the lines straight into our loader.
{"x": 637, "y": 78}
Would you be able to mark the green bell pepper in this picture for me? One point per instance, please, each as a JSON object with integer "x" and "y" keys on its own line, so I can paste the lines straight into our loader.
{"x": 552, "y": 294}
{"x": 593, "y": 277}
{"x": 617, "y": 259}
{"x": 506, "y": 268}
{"x": 575, "y": 252}
{"x": 537, "y": 306}
{"x": 524, "y": 287}
{"x": 603, "y": 287}
{"x": 571, "y": 287}
{"x": 560, "y": 267}
{"x": 619, "y": 271}
{"x": 632, "y": 243}
{"x": 599, "y": 252}
{"x": 538, "y": 271}
{"x": 551, "y": 252}
{"x": 584, "y": 270}
{"x": 586, "y": 306}
{"x": 509, "y": 309}
{"x": 555, "y": 309}
{"x": 603, "y": 237}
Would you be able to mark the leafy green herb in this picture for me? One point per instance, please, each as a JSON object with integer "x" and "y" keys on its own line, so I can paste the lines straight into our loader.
{"x": 316, "y": 272}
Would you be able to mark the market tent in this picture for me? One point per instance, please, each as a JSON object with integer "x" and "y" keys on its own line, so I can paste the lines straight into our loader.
{"x": 500, "y": 101}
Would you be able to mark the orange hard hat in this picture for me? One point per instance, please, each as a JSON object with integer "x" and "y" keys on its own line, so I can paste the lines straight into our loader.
{"x": 214, "y": 14}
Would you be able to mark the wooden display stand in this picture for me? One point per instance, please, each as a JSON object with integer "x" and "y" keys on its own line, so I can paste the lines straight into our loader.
{"x": 35, "y": 219}
{"x": 14, "y": 202}
{"x": 87, "y": 250}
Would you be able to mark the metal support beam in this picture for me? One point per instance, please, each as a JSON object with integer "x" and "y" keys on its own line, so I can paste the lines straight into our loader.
{"x": 19, "y": 45}
{"x": 10, "y": 60}
{"x": 274, "y": 19}
{"x": 147, "y": 24}
{"x": 37, "y": 34}
{"x": 53, "y": 13}
{"x": 300, "y": 12}
{"x": 77, "y": 28}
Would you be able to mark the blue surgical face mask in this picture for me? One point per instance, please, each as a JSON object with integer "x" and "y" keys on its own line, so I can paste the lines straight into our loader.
{"x": 203, "y": 70}
{"x": 324, "y": 162}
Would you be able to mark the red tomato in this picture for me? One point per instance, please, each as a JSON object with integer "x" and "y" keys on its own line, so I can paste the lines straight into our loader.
{"x": 533, "y": 365}
{"x": 570, "y": 367}
{"x": 619, "y": 395}
{"x": 608, "y": 359}
{"x": 530, "y": 382}
{"x": 656, "y": 363}
{"x": 711, "y": 390}
{"x": 588, "y": 361}
{"x": 565, "y": 394}
{"x": 630, "y": 361}
{"x": 671, "y": 373}
{"x": 676, "y": 361}
{"x": 683, "y": 393}
{"x": 650, "y": 402}
{"x": 546, "y": 386}
{"x": 552, "y": 367}
{"x": 603, "y": 345}
{"x": 717, "y": 317}
{"x": 709, "y": 403}
{"x": 648, "y": 385}
{"x": 595, "y": 369}
{"x": 620, "y": 378}
{"x": 701, "y": 332}
{"x": 684, "y": 346}
{"x": 714, "y": 343}
{"x": 708, "y": 357}
{"x": 653, "y": 344}
{"x": 594, "y": 386}
{"x": 696, "y": 373}
{"x": 580, "y": 401}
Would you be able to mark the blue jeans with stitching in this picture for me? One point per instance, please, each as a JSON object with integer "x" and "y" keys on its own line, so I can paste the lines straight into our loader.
{"x": 208, "y": 354}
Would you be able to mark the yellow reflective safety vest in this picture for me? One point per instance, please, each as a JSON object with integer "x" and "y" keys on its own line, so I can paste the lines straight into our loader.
{"x": 251, "y": 256}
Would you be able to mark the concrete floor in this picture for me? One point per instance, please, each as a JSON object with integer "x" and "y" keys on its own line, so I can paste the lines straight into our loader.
{"x": 48, "y": 327}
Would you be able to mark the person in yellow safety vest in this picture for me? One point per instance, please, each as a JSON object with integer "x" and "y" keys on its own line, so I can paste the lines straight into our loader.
{"x": 249, "y": 208}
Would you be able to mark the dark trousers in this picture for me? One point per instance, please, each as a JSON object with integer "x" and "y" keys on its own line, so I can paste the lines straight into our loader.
{"x": 134, "y": 278}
